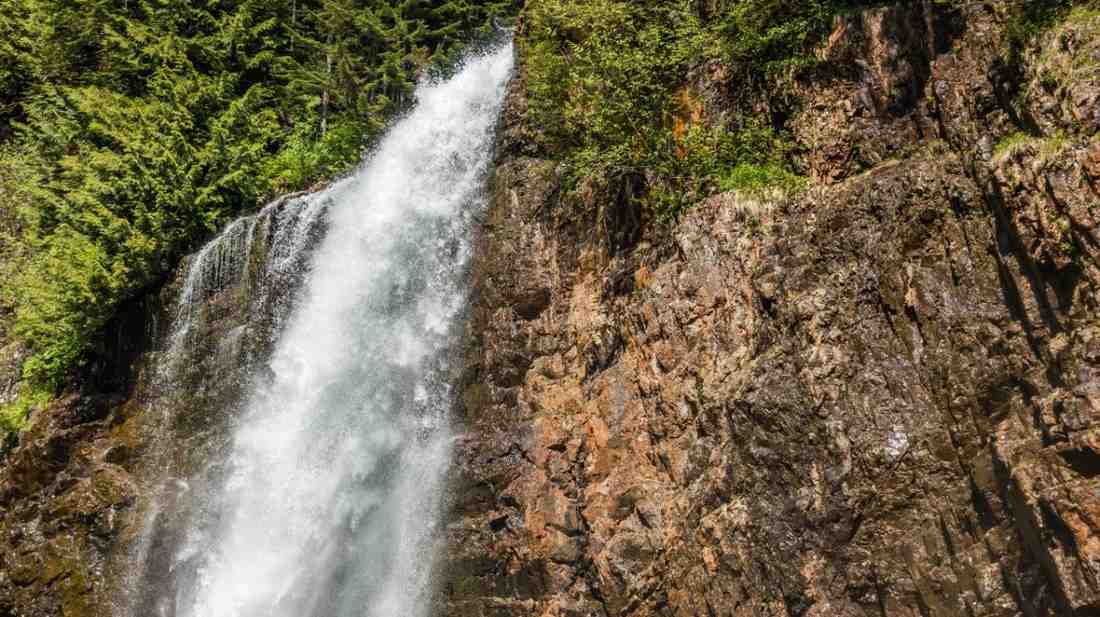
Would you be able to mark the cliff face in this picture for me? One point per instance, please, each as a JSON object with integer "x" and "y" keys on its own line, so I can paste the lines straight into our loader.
{"x": 68, "y": 492}
{"x": 878, "y": 397}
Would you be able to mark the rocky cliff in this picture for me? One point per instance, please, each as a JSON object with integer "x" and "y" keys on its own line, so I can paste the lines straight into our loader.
{"x": 876, "y": 397}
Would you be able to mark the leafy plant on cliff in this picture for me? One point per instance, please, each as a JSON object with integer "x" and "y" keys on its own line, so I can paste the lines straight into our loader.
{"x": 13, "y": 416}
{"x": 760, "y": 178}
{"x": 1031, "y": 18}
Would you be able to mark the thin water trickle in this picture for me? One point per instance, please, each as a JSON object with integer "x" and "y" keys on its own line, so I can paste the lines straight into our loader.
{"x": 329, "y": 499}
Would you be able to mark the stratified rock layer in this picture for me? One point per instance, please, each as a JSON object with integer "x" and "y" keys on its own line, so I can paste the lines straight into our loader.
{"x": 877, "y": 398}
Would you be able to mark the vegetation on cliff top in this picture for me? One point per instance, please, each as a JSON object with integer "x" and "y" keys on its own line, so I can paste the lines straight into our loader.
{"x": 610, "y": 87}
{"x": 130, "y": 131}
{"x": 608, "y": 80}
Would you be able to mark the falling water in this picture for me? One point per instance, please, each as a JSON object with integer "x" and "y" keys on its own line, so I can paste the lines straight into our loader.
{"x": 262, "y": 258}
{"x": 327, "y": 505}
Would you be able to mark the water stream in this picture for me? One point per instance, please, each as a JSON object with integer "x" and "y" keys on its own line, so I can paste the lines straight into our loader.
{"x": 328, "y": 501}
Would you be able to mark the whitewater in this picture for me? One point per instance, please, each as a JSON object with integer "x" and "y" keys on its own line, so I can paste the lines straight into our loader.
{"x": 330, "y": 505}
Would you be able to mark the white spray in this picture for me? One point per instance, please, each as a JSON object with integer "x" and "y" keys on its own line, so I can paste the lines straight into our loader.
{"x": 331, "y": 498}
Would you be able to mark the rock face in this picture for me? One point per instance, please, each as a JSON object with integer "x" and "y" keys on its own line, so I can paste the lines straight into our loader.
{"x": 876, "y": 398}
{"x": 68, "y": 491}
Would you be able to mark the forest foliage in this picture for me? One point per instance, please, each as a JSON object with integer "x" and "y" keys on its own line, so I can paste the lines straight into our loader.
{"x": 129, "y": 131}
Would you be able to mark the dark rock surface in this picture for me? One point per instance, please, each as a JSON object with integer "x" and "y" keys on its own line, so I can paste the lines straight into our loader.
{"x": 876, "y": 398}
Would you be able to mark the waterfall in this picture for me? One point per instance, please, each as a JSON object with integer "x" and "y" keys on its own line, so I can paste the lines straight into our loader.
{"x": 258, "y": 259}
{"x": 327, "y": 501}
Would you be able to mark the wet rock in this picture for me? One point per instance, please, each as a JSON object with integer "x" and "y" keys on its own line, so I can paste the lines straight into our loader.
{"x": 65, "y": 506}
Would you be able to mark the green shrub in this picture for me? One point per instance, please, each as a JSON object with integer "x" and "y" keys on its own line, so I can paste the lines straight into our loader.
{"x": 760, "y": 179}
{"x": 773, "y": 37}
{"x": 307, "y": 156}
{"x": 1033, "y": 17}
{"x": 13, "y": 416}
